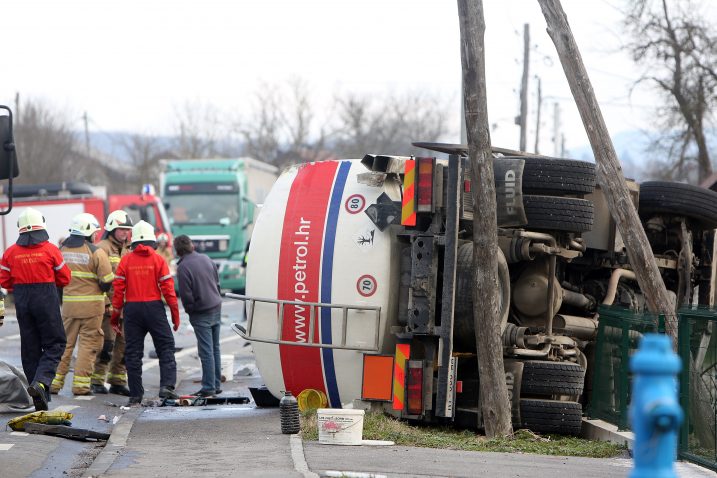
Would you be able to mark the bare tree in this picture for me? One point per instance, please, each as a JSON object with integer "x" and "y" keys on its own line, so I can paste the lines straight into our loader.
{"x": 678, "y": 50}
{"x": 144, "y": 152}
{"x": 282, "y": 128}
{"x": 46, "y": 145}
{"x": 199, "y": 130}
{"x": 388, "y": 123}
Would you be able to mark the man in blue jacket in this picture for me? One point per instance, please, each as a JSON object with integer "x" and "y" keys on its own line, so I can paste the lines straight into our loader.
{"x": 199, "y": 291}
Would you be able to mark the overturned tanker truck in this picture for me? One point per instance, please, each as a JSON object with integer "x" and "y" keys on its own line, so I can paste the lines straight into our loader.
{"x": 359, "y": 280}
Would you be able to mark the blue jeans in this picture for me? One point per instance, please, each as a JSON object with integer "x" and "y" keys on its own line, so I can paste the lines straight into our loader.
{"x": 206, "y": 328}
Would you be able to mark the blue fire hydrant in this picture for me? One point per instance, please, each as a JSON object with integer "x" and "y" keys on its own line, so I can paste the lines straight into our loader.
{"x": 655, "y": 412}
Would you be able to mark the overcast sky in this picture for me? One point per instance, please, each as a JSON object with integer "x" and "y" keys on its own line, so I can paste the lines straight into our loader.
{"x": 131, "y": 63}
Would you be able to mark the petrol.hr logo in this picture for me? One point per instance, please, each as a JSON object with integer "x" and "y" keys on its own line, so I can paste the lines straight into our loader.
{"x": 301, "y": 243}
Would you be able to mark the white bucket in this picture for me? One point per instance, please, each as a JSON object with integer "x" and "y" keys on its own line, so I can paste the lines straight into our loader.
{"x": 340, "y": 426}
{"x": 228, "y": 366}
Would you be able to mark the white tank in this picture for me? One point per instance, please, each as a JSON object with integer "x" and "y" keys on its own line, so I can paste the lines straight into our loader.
{"x": 312, "y": 242}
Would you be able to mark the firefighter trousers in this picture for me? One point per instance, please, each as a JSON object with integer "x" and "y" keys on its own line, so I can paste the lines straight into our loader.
{"x": 111, "y": 357}
{"x": 42, "y": 336}
{"x": 87, "y": 333}
{"x": 141, "y": 318}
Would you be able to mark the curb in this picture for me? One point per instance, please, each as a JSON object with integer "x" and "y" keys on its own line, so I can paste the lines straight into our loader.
{"x": 114, "y": 446}
{"x": 297, "y": 456}
{"x": 604, "y": 431}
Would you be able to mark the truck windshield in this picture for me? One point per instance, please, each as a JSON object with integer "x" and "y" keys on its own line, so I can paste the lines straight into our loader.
{"x": 212, "y": 208}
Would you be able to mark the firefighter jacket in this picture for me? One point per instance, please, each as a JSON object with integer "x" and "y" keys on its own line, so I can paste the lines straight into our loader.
{"x": 166, "y": 254}
{"x": 91, "y": 275}
{"x": 114, "y": 251}
{"x": 33, "y": 264}
{"x": 143, "y": 276}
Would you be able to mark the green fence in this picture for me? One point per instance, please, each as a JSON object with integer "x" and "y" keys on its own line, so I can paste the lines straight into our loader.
{"x": 697, "y": 347}
{"x": 619, "y": 332}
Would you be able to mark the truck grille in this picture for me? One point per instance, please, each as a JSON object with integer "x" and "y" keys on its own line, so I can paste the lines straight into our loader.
{"x": 211, "y": 244}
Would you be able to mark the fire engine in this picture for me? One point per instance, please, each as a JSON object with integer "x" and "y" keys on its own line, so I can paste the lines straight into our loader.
{"x": 360, "y": 282}
{"x": 60, "y": 202}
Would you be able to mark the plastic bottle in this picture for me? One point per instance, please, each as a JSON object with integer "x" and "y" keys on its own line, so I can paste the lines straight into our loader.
{"x": 289, "y": 414}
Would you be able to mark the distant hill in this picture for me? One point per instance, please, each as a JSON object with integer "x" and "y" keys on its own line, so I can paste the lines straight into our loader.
{"x": 629, "y": 145}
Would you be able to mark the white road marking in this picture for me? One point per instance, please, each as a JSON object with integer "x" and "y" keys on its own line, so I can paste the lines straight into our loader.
{"x": 6, "y": 446}
{"x": 10, "y": 337}
{"x": 85, "y": 397}
{"x": 65, "y": 408}
{"x": 19, "y": 434}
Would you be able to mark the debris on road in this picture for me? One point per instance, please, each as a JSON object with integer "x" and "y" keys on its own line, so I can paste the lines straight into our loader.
{"x": 65, "y": 431}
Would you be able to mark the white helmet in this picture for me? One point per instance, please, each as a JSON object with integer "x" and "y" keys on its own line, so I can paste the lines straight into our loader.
{"x": 30, "y": 220}
{"x": 143, "y": 231}
{"x": 118, "y": 220}
{"x": 84, "y": 224}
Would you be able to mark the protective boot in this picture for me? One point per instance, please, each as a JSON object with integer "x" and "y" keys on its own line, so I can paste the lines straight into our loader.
{"x": 167, "y": 392}
{"x": 119, "y": 390}
{"x": 40, "y": 397}
{"x": 98, "y": 389}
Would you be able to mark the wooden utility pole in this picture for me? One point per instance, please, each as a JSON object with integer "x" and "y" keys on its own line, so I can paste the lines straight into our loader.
{"x": 495, "y": 405}
{"x": 87, "y": 134}
{"x": 609, "y": 171}
{"x": 537, "y": 120}
{"x": 524, "y": 88}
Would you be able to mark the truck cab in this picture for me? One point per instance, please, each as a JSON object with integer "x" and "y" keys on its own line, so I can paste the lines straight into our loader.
{"x": 214, "y": 202}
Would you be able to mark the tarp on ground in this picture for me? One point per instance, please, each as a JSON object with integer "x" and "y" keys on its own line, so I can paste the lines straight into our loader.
{"x": 13, "y": 389}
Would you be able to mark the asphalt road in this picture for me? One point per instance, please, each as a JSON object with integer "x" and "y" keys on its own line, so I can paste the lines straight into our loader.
{"x": 45, "y": 456}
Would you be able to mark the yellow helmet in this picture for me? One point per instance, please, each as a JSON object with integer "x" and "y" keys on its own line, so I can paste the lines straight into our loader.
{"x": 143, "y": 231}
{"x": 118, "y": 220}
{"x": 84, "y": 224}
{"x": 30, "y": 220}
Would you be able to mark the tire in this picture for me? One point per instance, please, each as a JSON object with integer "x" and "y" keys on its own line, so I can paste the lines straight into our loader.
{"x": 551, "y": 176}
{"x": 693, "y": 202}
{"x": 552, "y": 378}
{"x": 551, "y": 416}
{"x": 558, "y": 214}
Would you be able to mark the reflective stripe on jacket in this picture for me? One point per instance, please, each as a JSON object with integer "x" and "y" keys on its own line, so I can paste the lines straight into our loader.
{"x": 114, "y": 251}
{"x": 90, "y": 266}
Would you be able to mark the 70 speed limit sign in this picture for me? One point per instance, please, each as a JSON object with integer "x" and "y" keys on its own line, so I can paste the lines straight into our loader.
{"x": 366, "y": 285}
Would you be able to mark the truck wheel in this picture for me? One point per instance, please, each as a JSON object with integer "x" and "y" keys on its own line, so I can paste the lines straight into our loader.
{"x": 693, "y": 202}
{"x": 541, "y": 377}
{"x": 553, "y": 176}
{"x": 551, "y": 416}
{"x": 558, "y": 214}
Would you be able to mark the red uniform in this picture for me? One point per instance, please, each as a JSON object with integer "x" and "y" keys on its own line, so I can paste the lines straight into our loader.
{"x": 141, "y": 279}
{"x": 34, "y": 264}
{"x": 143, "y": 276}
{"x": 33, "y": 273}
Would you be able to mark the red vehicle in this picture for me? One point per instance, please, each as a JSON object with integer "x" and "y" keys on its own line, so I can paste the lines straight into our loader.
{"x": 60, "y": 202}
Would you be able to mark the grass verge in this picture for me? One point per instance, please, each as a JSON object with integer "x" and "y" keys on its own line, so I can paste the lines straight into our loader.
{"x": 382, "y": 427}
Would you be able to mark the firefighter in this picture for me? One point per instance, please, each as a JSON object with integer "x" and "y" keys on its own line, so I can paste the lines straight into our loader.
{"x": 164, "y": 249}
{"x": 33, "y": 269}
{"x": 141, "y": 280}
{"x": 83, "y": 302}
{"x": 115, "y": 239}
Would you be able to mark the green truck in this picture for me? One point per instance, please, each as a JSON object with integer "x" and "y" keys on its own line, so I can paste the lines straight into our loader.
{"x": 214, "y": 202}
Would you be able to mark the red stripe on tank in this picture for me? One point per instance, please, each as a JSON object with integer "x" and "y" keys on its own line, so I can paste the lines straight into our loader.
{"x": 300, "y": 272}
